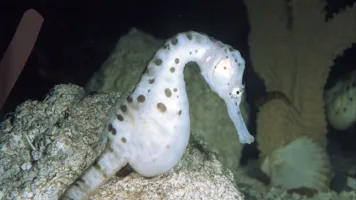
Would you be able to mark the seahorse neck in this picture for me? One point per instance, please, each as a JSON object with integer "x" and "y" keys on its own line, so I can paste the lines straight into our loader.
{"x": 168, "y": 63}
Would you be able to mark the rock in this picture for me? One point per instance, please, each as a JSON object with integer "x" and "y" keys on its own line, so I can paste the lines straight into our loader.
{"x": 46, "y": 145}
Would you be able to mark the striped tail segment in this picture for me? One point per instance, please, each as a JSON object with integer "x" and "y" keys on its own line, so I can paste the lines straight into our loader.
{"x": 107, "y": 164}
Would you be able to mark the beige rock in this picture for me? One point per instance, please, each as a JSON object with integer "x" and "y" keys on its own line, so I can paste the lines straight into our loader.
{"x": 197, "y": 176}
{"x": 64, "y": 137}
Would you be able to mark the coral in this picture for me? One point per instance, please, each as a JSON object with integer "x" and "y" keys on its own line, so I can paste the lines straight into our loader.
{"x": 309, "y": 165}
{"x": 292, "y": 48}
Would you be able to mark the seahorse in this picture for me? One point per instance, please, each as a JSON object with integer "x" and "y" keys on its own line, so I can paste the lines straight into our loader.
{"x": 151, "y": 127}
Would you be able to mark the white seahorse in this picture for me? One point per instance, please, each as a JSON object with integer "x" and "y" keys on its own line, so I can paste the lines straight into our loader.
{"x": 151, "y": 128}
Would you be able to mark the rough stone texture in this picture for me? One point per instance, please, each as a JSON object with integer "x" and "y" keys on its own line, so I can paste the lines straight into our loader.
{"x": 65, "y": 134}
{"x": 45, "y": 145}
{"x": 208, "y": 113}
{"x": 123, "y": 68}
{"x": 197, "y": 176}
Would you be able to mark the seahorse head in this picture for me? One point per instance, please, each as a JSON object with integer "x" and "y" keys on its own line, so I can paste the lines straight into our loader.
{"x": 225, "y": 78}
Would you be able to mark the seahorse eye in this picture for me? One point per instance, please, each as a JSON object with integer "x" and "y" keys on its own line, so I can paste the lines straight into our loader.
{"x": 237, "y": 92}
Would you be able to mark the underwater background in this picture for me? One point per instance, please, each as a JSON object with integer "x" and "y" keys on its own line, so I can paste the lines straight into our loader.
{"x": 78, "y": 40}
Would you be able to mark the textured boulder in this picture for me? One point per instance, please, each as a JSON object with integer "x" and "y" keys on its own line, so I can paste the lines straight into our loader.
{"x": 46, "y": 145}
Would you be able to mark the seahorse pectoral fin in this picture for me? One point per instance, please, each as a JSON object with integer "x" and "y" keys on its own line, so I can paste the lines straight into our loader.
{"x": 239, "y": 123}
